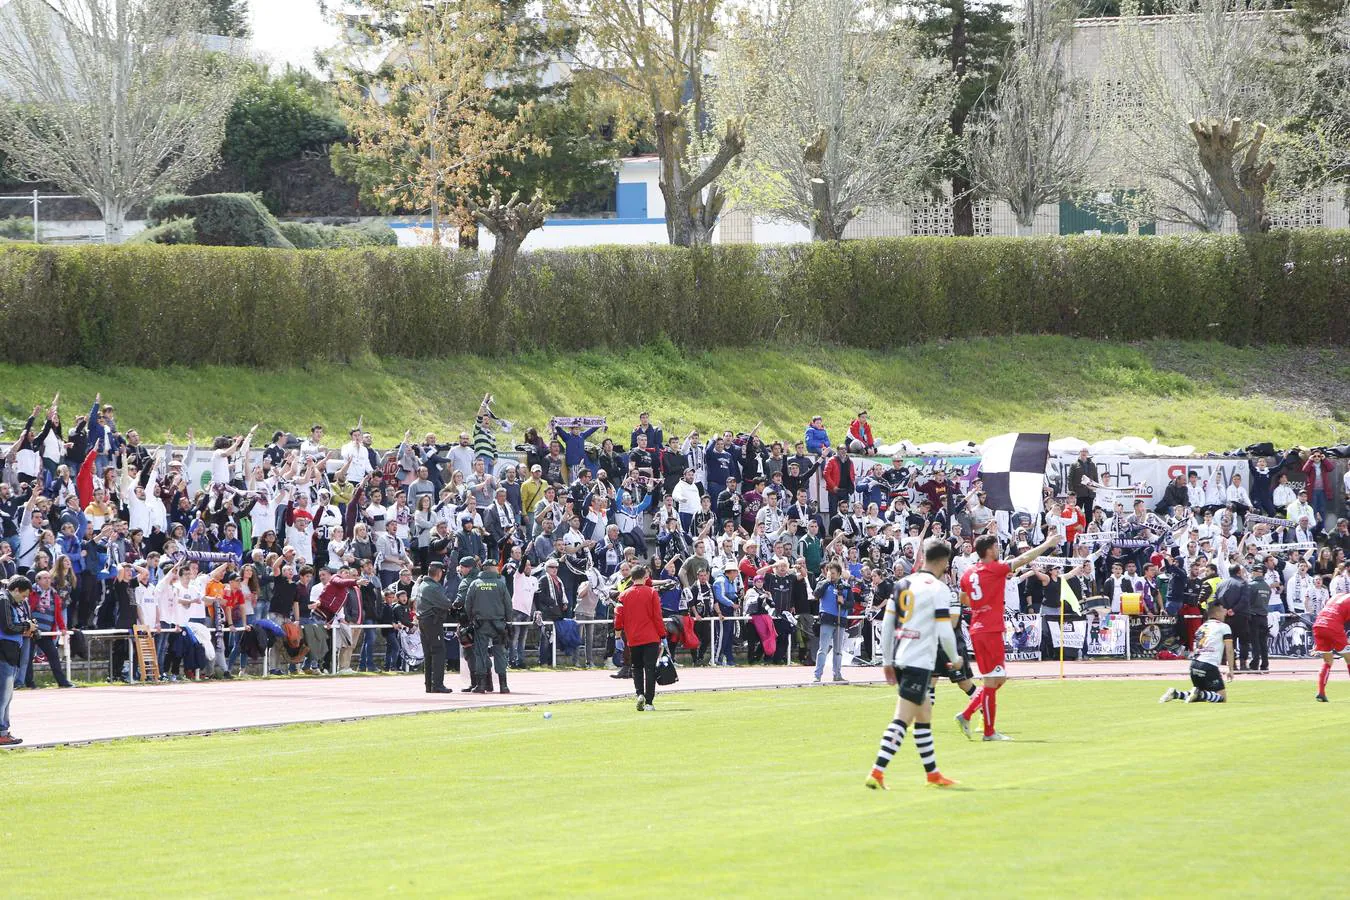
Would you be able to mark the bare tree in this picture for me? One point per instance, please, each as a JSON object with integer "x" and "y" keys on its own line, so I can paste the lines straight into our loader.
{"x": 1237, "y": 170}
{"x": 843, "y": 110}
{"x": 1031, "y": 145}
{"x": 1205, "y": 62}
{"x": 115, "y": 100}
{"x": 657, "y": 53}
{"x": 510, "y": 223}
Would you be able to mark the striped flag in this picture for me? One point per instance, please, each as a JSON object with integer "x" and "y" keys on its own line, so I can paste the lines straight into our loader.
{"x": 1012, "y": 467}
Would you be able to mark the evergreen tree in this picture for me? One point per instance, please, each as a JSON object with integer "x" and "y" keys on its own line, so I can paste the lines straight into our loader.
{"x": 974, "y": 37}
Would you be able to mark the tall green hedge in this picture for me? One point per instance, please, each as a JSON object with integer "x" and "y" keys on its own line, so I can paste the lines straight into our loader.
{"x": 157, "y": 305}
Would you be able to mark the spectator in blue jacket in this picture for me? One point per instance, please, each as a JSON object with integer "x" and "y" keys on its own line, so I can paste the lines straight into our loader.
{"x": 817, "y": 440}
{"x": 574, "y": 447}
{"x": 103, "y": 435}
{"x": 833, "y": 596}
{"x": 727, "y": 594}
{"x": 719, "y": 466}
{"x": 231, "y": 544}
{"x": 653, "y": 433}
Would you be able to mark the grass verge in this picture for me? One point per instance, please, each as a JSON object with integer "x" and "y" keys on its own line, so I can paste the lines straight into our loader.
{"x": 1210, "y": 395}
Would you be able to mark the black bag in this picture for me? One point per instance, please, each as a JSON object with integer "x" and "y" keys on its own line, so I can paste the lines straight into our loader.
{"x": 79, "y": 645}
{"x": 1265, "y": 448}
{"x": 665, "y": 668}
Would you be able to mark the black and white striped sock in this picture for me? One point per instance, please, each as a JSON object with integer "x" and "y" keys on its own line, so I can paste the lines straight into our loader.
{"x": 891, "y": 740}
{"x": 932, "y": 695}
{"x": 1211, "y": 696}
{"x": 923, "y": 741}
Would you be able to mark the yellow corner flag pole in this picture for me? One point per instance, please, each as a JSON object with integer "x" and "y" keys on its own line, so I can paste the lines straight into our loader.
{"x": 1066, "y": 595}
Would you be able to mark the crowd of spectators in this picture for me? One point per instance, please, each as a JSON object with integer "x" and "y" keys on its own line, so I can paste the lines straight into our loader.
{"x": 292, "y": 541}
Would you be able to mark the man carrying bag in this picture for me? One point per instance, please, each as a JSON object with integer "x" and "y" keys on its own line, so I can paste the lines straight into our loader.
{"x": 644, "y": 630}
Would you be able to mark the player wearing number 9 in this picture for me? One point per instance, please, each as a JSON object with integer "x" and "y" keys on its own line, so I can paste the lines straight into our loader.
{"x": 920, "y": 611}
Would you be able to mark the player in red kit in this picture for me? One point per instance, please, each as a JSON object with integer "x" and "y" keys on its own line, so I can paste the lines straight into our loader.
{"x": 982, "y": 589}
{"x": 1329, "y": 638}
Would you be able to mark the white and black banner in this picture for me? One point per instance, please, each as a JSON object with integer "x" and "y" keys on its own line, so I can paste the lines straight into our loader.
{"x": 1013, "y": 471}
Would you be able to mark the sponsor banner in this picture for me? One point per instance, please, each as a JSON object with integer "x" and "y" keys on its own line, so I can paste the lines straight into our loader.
{"x": 1151, "y": 635}
{"x": 962, "y": 470}
{"x": 1072, "y": 636}
{"x": 1021, "y": 636}
{"x": 1107, "y": 634}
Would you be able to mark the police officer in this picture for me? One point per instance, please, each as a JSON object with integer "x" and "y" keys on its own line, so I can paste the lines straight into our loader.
{"x": 463, "y": 578}
{"x": 489, "y": 606}
{"x": 433, "y": 609}
{"x": 1258, "y": 621}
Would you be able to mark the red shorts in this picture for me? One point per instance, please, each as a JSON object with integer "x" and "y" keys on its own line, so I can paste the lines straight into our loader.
{"x": 1328, "y": 640}
{"x": 988, "y": 647}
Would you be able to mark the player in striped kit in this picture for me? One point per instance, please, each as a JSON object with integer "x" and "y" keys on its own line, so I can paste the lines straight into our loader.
{"x": 1213, "y": 646}
{"x": 920, "y": 608}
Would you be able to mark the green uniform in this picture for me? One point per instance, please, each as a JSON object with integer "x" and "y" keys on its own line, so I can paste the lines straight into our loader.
{"x": 488, "y": 603}
{"x": 433, "y": 609}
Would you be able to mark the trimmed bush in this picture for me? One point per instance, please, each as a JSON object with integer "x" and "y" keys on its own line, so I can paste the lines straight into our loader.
{"x": 152, "y": 305}
{"x": 306, "y": 236}
{"x": 174, "y": 231}
{"x": 222, "y": 220}
{"x": 16, "y": 228}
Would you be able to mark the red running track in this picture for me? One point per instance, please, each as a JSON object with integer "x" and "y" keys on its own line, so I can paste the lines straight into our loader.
{"x": 50, "y": 716}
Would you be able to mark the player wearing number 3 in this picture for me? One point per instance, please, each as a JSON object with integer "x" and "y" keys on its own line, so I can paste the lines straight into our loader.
{"x": 982, "y": 588}
{"x": 920, "y": 608}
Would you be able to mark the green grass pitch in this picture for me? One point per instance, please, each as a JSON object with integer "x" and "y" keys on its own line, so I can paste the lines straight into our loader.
{"x": 756, "y": 793}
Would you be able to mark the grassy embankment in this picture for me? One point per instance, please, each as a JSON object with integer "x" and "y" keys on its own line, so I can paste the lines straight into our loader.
{"x": 1210, "y": 395}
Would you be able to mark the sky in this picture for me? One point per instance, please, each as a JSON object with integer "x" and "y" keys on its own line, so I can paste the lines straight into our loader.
{"x": 289, "y": 31}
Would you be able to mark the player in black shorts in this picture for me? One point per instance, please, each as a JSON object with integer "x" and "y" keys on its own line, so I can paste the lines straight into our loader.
{"x": 962, "y": 677}
{"x": 1213, "y": 647}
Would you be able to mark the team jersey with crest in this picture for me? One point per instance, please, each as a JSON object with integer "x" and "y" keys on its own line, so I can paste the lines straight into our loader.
{"x": 1209, "y": 642}
{"x": 920, "y": 602}
{"x": 984, "y": 583}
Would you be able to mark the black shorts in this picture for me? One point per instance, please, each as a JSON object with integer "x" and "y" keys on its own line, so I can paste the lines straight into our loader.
{"x": 1206, "y": 676}
{"x": 913, "y": 683}
{"x": 956, "y": 676}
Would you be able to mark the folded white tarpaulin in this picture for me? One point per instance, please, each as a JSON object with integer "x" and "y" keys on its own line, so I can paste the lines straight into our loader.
{"x": 1125, "y": 446}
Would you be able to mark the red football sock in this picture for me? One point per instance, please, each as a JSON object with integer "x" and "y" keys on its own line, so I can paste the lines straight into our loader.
{"x": 976, "y": 699}
{"x": 990, "y": 709}
{"x": 1322, "y": 677}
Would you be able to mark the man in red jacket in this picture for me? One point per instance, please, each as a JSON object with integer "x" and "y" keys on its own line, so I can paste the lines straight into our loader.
{"x": 1317, "y": 469}
{"x": 639, "y": 618}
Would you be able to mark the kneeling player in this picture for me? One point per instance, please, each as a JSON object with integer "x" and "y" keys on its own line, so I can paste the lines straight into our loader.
{"x": 1329, "y": 638}
{"x": 921, "y": 608}
{"x": 1213, "y": 645}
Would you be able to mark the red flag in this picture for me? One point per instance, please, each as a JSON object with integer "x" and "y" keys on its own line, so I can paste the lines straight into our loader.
{"x": 84, "y": 482}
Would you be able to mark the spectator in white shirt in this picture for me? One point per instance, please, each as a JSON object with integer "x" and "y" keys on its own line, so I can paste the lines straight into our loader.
{"x": 1195, "y": 491}
{"x": 1301, "y": 508}
{"x": 687, "y": 499}
{"x": 1299, "y": 589}
{"x": 311, "y": 448}
{"x": 1284, "y": 493}
{"x": 1237, "y": 498}
{"x": 356, "y": 457}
